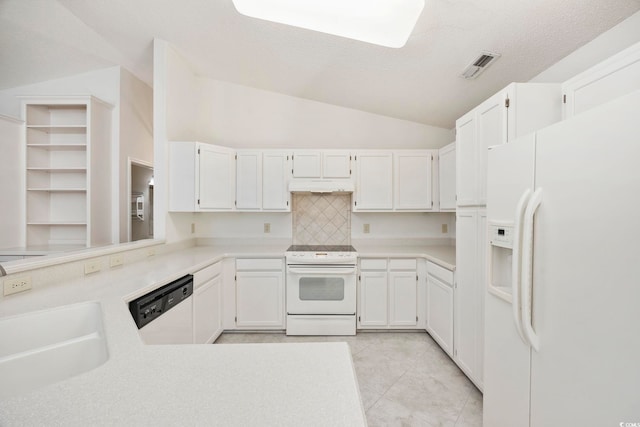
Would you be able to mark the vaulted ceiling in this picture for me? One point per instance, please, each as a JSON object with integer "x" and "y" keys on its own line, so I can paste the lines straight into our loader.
{"x": 45, "y": 39}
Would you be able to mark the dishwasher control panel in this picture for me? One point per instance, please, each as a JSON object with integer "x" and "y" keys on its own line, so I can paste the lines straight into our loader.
{"x": 149, "y": 307}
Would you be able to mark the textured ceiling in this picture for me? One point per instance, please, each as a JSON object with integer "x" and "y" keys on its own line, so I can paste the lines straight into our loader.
{"x": 43, "y": 39}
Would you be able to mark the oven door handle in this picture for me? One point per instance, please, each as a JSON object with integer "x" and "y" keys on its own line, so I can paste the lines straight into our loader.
{"x": 332, "y": 271}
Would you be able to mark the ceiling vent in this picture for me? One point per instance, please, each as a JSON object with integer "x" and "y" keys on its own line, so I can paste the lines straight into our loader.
{"x": 479, "y": 65}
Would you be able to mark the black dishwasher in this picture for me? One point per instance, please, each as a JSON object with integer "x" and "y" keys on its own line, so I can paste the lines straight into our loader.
{"x": 149, "y": 307}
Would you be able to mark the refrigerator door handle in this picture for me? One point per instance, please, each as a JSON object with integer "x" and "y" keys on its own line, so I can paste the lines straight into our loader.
{"x": 516, "y": 265}
{"x": 527, "y": 269}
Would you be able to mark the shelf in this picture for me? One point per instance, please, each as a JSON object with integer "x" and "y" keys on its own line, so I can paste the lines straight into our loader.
{"x": 57, "y": 170}
{"x": 59, "y": 190}
{"x": 57, "y": 223}
{"x": 59, "y": 128}
{"x": 77, "y": 147}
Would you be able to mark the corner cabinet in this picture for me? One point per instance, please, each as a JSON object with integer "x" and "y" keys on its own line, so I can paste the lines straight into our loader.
{"x": 518, "y": 109}
{"x": 68, "y": 171}
{"x": 201, "y": 177}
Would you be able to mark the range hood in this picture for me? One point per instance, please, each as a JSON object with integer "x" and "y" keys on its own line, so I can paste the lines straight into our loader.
{"x": 320, "y": 186}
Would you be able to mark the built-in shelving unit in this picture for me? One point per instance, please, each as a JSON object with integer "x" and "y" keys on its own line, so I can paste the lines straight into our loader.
{"x": 68, "y": 196}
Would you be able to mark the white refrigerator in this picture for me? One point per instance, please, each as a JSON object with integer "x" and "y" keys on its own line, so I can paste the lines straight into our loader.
{"x": 562, "y": 307}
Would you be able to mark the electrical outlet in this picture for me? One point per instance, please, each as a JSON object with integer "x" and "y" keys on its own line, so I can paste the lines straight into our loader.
{"x": 267, "y": 227}
{"x": 92, "y": 266}
{"x": 151, "y": 252}
{"x": 445, "y": 228}
{"x": 366, "y": 228}
{"x": 12, "y": 286}
{"x": 116, "y": 260}
{"x": 193, "y": 228}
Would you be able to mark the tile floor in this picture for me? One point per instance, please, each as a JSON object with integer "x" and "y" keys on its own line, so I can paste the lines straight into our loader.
{"x": 405, "y": 378}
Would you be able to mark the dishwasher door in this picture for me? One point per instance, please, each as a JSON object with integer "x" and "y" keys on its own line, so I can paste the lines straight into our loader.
{"x": 173, "y": 327}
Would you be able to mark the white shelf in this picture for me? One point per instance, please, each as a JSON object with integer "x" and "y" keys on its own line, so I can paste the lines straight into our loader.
{"x": 58, "y": 170}
{"x": 48, "y": 223}
{"x": 59, "y": 146}
{"x": 59, "y": 190}
{"x": 59, "y": 128}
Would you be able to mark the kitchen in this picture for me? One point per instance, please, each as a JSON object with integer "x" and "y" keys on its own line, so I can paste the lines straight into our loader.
{"x": 182, "y": 103}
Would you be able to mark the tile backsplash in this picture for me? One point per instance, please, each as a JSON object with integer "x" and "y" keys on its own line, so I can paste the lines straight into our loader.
{"x": 321, "y": 219}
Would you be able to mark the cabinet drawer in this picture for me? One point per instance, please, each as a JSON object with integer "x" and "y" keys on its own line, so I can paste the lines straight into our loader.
{"x": 403, "y": 264}
{"x": 373, "y": 264}
{"x": 202, "y": 276}
{"x": 440, "y": 272}
{"x": 258, "y": 264}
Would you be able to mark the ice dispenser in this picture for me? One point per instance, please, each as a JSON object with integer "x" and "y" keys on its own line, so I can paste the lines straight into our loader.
{"x": 500, "y": 258}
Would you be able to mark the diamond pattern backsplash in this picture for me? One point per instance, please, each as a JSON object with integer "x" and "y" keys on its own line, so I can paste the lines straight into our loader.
{"x": 321, "y": 219}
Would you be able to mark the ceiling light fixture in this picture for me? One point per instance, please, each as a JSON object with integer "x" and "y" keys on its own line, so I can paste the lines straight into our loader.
{"x": 383, "y": 22}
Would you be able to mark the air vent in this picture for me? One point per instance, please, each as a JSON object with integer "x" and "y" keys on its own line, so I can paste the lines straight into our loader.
{"x": 479, "y": 65}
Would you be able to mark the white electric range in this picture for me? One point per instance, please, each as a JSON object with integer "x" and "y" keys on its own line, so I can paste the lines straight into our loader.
{"x": 321, "y": 290}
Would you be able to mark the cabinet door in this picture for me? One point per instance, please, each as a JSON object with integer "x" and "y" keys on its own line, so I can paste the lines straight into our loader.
{"x": 403, "y": 298}
{"x": 306, "y": 164}
{"x": 440, "y": 313}
{"x": 465, "y": 295}
{"x": 374, "y": 190}
{"x": 466, "y": 160}
{"x": 373, "y": 298}
{"x": 492, "y": 130}
{"x": 336, "y": 164}
{"x": 249, "y": 180}
{"x": 481, "y": 286}
{"x": 447, "y": 173}
{"x": 207, "y": 311}
{"x": 216, "y": 178}
{"x": 260, "y": 299}
{"x": 275, "y": 181}
{"x": 413, "y": 180}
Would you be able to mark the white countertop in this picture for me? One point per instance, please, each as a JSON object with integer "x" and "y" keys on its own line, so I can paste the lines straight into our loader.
{"x": 230, "y": 384}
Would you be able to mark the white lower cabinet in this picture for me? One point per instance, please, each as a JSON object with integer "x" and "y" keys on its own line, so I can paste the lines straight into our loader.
{"x": 388, "y": 294}
{"x": 207, "y": 304}
{"x": 260, "y": 294}
{"x": 439, "y": 306}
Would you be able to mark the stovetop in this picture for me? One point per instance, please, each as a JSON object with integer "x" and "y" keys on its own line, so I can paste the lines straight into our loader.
{"x": 321, "y": 248}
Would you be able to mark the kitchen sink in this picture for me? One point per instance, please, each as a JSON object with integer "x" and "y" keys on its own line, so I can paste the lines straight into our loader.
{"x": 44, "y": 347}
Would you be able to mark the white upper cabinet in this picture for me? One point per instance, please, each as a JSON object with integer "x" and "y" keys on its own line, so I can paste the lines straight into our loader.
{"x": 336, "y": 164}
{"x": 374, "y": 181}
{"x": 447, "y": 175}
{"x": 249, "y": 180}
{"x": 275, "y": 181}
{"x": 518, "y": 109}
{"x": 614, "y": 77}
{"x": 413, "y": 180}
{"x": 216, "y": 172}
{"x": 307, "y": 164}
{"x": 326, "y": 164}
{"x": 201, "y": 177}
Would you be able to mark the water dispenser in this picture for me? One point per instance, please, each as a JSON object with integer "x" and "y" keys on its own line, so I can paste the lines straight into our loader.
{"x": 500, "y": 258}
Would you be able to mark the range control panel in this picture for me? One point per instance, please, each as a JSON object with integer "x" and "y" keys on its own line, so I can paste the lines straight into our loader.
{"x": 149, "y": 307}
{"x": 501, "y": 235}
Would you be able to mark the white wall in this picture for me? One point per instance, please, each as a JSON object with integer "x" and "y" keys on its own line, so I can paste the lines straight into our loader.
{"x": 103, "y": 84}
{"x": 175, "y": 94}
{"x": 243, "y": 117}
{"x": 602, "y": 47}
{"x": 136, "y": 137}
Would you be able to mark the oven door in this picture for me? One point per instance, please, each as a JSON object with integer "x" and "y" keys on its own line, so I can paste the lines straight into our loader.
{"x": 317, "y": 289}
